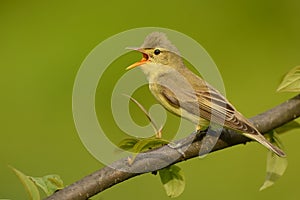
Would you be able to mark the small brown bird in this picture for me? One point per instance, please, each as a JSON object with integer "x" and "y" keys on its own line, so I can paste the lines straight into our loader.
{"x": 185, "y": 94}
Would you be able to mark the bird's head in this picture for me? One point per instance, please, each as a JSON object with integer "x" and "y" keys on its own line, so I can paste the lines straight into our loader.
{"x": 157, "y": 51}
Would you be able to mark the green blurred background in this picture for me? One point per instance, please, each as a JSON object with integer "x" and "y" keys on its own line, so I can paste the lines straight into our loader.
{"x": 43, "y": 43}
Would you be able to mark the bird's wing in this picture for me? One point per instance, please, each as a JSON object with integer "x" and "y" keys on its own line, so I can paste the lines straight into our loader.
{"x": 222, "y": 111}
{"x": 204, "y": 101}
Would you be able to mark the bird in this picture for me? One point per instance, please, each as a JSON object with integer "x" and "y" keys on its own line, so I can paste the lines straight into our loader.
{"x": 187, "y": 95}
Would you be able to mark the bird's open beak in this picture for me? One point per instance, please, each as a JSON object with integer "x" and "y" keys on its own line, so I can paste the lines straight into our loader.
{"x": 141, "y": 62}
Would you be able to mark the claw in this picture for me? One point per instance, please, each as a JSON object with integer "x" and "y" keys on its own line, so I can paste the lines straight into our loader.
{"x": 184, "y": 143}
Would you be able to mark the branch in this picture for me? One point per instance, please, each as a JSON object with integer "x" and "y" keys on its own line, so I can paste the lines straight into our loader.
{"x": 120, "y": 170}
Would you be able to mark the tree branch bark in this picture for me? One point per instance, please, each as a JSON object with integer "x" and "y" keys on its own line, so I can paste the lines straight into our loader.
{"x": 156, "y": 159}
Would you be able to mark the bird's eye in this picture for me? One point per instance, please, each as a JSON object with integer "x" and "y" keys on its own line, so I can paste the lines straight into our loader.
{"x": 156, "y": 51}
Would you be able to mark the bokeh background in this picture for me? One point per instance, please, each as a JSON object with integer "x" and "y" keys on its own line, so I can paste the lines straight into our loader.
{"x": 42, "y": 44}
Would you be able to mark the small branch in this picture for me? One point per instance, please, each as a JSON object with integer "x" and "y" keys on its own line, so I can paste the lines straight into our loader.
{"x": 120, "y": 170}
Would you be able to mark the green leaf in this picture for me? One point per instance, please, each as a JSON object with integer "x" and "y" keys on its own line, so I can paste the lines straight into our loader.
{"x": 173, "y": 180}
{"x": 146, "y": 144}
{"x": 28, "y": 184}
{"x": 128, "y": 143}
{"x": 276, "y": 165}
{"x": 49, "y": 183}
{"x": 149, "y": 143}
{"x": 291, "y": 81}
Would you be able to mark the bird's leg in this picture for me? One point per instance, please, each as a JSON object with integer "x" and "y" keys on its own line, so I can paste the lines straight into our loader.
{"x": 187, "y": 141}
{"x": 200, "y": 132}
{"x": 178, "y": 145}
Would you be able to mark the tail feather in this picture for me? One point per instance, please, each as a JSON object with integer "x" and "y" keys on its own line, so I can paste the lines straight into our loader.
{"x": 262, "y": 140}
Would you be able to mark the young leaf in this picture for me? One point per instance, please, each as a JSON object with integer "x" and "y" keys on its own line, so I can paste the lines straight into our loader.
{"x": 149, "y": 143}
{"x": 146, "y": 144}
{"x": 49, "y": 183}
{"x": 291, "y": 81}
{"x": 127, "y": 144}
{"x": 28, "y": 184}
{"x": 276, "y": 165}
{"x": 173, "y": 180}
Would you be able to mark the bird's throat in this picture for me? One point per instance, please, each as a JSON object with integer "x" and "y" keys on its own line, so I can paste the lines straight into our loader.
{"x": 153, "y": 70}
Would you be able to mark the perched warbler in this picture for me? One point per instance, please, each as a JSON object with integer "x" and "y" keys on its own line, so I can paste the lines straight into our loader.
{"x": 185, "y": 94}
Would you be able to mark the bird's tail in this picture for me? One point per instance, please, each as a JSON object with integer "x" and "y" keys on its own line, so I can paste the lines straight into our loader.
{"x": 262, "y": 140}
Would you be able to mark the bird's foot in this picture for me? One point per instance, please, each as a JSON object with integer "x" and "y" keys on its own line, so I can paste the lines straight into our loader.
{"x": 178, "y": 146}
